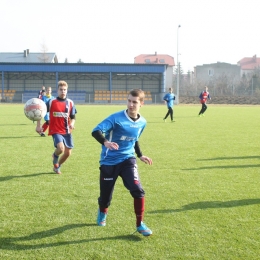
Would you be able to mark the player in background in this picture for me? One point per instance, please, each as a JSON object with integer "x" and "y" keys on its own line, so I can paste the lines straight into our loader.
{"x": 40, "y": 95}
{"x": 45, "y": 98}
{"x": 62, "y": 114}
{"x": 40, "y": 92}
{"x": 169, "y": 100}
{"x": 119, "y": 143}
{"x": 204, "y": 96}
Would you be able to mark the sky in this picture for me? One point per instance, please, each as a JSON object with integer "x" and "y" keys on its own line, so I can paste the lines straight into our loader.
{"x": 116, "y": 31}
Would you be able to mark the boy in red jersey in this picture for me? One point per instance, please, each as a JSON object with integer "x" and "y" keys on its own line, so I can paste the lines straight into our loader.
{"x": 204, "y": 96}
{"x": 62, "y": 119}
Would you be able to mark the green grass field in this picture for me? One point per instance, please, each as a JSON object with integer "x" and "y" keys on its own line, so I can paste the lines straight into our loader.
{"x": 202, "y": 191}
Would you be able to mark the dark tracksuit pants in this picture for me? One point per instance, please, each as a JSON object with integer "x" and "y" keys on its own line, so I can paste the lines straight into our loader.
{"x": 203, "y": 108}
{"x": 170, "y": 112}
{"x": 127, "y": 170}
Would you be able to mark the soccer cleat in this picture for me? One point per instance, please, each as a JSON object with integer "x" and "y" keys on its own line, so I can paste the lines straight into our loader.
{"x": 164, "y": 120}
{"x": 101, "y": 218}
{"x": 42, "y": 134}
{"x": 56, "y": 168}
{"x": 203, "y": 115}
{"x": 173, "y": 121}
{"x": 144, "y": 230}
{"x": 199, "y": 115}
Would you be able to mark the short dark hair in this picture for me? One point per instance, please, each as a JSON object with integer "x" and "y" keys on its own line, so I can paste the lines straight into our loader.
{"x": 137, "y": 93}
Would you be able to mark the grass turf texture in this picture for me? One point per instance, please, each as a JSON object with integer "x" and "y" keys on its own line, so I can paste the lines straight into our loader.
{"x": 202, "y": 192}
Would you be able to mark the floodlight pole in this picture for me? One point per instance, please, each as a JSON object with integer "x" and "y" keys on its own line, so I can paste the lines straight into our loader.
{"x": 178, "y": 67}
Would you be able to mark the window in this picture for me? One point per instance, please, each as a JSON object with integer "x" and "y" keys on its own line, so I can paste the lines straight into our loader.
{"x": 210, "y": 72}
{"x": 147, "y": 60}
{"x": 161, "y": 60}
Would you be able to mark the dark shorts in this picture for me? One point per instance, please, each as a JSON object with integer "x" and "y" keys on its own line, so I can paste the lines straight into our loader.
{"x": 66, "y": 139}
{"x": 128, "y": 171}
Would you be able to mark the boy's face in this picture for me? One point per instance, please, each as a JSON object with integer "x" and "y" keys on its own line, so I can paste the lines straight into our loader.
{"x": 133, "y": 105}
{"x": 48, "y": 92}
{"x": 62, "y": 92}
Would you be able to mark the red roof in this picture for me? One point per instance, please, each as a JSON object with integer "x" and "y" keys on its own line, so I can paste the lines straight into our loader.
{"x": 249, "y": 63}
{"x": 155, "y": 59}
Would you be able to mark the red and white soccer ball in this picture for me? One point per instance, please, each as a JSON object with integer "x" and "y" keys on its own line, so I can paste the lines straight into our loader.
{"x": 35, "y": 109}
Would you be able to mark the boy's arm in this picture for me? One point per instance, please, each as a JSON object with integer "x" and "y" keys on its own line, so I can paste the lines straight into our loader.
{"x": 142, "y": 157}
{"x": 138, "y": 150}
{"x": 38, "y": 127}
{"x": 99, "y": 137}
{"x": 102, "y": 140}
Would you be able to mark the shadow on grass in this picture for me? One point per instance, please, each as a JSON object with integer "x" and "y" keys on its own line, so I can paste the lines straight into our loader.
{"x": 15, "y": 137}
{"x": 7, "y": 178}
{"x": 230, "y": 158}
{"x": 210, "y": 205}
{"x": 12, "y": 124}
{"x": 224, "y": 167}
{"x": 14, "y": 243}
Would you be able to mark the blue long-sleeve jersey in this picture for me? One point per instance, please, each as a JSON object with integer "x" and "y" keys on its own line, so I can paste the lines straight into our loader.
{"x": 121, "y": 129}
{"x": 169, "y": 98}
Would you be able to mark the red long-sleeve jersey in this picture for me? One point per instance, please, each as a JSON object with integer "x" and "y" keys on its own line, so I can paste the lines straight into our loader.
{"x": 204, "y": 95}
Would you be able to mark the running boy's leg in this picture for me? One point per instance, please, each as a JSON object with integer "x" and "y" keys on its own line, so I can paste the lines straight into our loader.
{"x": 130, "y": 176}
{"x": 204, "y": 108}
{"x": 168, "y": 113}
{"x": 132, "y": 182}
{"x": 171, "y": 113}
{"x": 108, "y": 177}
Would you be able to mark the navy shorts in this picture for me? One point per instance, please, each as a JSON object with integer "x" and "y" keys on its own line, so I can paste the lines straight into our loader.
{"x": 128, "y": 171}
{"x": 66, "y": 139}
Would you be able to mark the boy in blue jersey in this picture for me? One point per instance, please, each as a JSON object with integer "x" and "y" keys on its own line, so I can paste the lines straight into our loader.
{"x": 169, "y": 100}
{"x": 119, "y": 144}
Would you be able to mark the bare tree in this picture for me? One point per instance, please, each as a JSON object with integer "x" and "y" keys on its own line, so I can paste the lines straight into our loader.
{"x": 44, "y": 56}
{"x": 244, "y": 85}
{"x": 253, "y": 82}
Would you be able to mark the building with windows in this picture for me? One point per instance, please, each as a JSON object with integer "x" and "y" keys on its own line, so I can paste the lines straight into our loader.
{"x": 249, "y": 64}
{"x": 206, "y": 72}
{"x": 88, "y": 82}
{"x": 24, "y": 73}
{"x": 159, "y": 59}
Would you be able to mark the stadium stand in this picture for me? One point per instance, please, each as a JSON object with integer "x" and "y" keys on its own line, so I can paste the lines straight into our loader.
{"x": 28, "y": 94}
{"x": 100, "y": 96}
{"x": 76, "y": 96}
{"x": 8, "y": 95}
{"x": 117, "y": 96}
